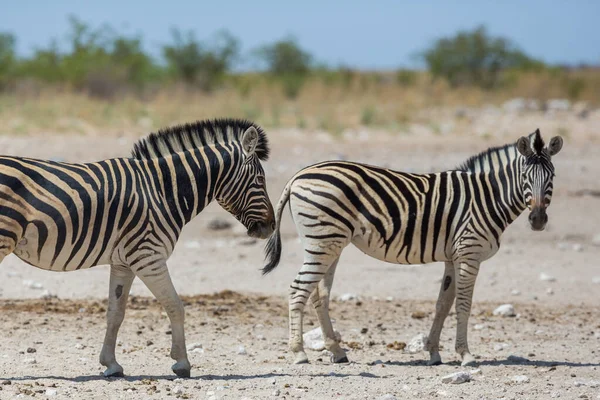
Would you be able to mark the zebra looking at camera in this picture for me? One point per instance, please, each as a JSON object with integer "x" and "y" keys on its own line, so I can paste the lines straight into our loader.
{"x": 129, "y": 212}
{"x": 455, "y": 216}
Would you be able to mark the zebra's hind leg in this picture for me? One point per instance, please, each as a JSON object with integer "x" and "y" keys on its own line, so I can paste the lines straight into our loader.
{"x": 120, "y": 283}
{"x": 320, "y": 300}
{"x": 442, "y": 308}
{"x": 157, "y": 279}
{"x": 466, "y": 274}
{"x": 316, "y": 263}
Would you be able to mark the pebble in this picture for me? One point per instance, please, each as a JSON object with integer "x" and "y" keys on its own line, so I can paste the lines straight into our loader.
{"x": 50, "y": 392}
{"x": 550, "y": 291}
{"x": 6, "y": 382}
{"x": 457, "y": 377}
{"x": 260, "y": 337}
{"x": 30, "y": 361}
{"x": 194, "y": 346}
{"x": 515, "y": 292}
{"x": 348, "y": 297}
{"x": 242, "y": 351}
{"x": 578, "y": 247}
{"x": 218, "y": 224}
{"x": 520, "y": 379}
{"x": 32, "y": 285}
{"x": 416, "y": 344}
{"x": 546, "y": 277}
{"x": 596, "y": 240}
{"x": 31, "y": 350}
{"x": 276, "y": 392}
{"x": 479, "y": 327}
{"x": 505, "y": 310}
{"x": 500, "y": 346}
{"x": 79, "y": 346}
{"x": 387, "y": 396}
{"x": 313, "y": 339}
{"x": 177, "y": 390}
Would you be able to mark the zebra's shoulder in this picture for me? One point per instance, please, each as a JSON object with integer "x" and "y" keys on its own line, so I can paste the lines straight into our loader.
{"x": 189, "y": 136}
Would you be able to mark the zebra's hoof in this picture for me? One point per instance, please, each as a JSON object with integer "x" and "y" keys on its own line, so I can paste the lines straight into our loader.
{"x": 343, "y": 360}
{"x": 468, "y": 361}
{"x": 182, "y": 369}
{"x": 114, "y": 371}
{"x": 435, "y": 359}
{"x": 301, "y": 358}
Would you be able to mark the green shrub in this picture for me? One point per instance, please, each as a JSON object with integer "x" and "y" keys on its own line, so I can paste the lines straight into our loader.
{"x": 475, "y": 58}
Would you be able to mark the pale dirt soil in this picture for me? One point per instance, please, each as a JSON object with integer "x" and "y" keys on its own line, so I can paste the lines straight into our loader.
{"x": 559, "y": 332}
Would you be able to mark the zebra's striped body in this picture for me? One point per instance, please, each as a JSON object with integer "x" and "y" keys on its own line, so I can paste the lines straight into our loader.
{"x": 454, "y": 216}
{"x": 129, "y": 212}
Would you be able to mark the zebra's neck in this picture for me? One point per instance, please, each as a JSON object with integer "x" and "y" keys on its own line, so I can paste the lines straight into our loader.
{"x": 501, "y": 169}
{"x": 193, "y": 179}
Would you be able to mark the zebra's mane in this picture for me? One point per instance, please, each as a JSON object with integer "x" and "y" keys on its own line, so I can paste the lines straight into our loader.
{"x": 189, "y": 136}
{"x": 479, "y": 161}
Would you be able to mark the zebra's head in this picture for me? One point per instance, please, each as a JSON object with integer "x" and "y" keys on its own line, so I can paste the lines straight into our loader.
{"x": 245, "y": 194}
{"x": 537, "y": 174}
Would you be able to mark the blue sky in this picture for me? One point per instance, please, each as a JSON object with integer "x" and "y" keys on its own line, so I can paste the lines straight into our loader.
{"x": 365, "y": 34}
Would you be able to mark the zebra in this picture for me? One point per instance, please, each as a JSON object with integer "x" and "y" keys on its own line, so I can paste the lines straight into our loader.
{"x": 129, "y": 212}
{"x": 456, "y": 216}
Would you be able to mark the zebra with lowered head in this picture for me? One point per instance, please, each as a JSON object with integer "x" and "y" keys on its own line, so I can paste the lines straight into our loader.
{"x": 455, "y": 216}
{"x": 129, "y": 212}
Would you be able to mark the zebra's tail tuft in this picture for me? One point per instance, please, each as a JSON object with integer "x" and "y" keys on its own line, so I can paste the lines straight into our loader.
{"x": 273, "y": 246}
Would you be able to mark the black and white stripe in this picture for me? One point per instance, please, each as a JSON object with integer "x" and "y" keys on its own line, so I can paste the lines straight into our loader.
{"x": 129, "y": 212}
{"x": 454, "y": 216}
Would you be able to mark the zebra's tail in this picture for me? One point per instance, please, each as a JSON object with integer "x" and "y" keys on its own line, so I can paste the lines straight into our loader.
{"x": 273, "y": 246}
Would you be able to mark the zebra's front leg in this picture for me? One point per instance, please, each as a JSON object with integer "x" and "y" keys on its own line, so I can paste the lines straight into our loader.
{"x": 442, "y": 308}
{"x": 121, "y": 278}
{"x": 158, "y": 280}
{"x": 320, "y": 300}
{"x": 466, "y": 274}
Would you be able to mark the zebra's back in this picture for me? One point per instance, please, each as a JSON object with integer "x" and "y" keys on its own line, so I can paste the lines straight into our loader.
{"x": 393, "y": 216}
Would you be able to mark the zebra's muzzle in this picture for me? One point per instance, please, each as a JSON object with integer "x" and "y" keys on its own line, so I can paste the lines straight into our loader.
{"x": 538, "y": 219}
{"x": 261, "y": 230}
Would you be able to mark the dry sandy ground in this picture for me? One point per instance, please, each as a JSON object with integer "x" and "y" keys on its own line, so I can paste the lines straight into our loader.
{"x": 558, "y": 327}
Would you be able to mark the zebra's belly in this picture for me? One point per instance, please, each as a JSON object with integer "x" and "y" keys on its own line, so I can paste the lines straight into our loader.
{"x": 398, "y": 251}
{"x": 44, "y": 252}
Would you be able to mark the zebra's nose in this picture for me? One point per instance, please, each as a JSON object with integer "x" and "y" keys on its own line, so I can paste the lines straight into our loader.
{"x": 538, "y": 219}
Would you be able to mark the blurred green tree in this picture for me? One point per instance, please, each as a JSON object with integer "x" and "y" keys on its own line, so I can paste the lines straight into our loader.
{"x": 197, "y": 64}
{"x": 7, "y": 59}
{"x": 287, "y": 62}
{"x": 475, "y": 58}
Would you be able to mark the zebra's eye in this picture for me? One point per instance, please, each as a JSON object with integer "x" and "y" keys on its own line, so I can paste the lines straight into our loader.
{"x": 260, "y": 180}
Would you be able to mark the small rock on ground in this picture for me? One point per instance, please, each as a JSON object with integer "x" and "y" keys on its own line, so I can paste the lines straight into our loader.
{"x": 417, "y": 344}
{"x": 348, "y": 297}
{"x": 546, "y": 277}
{"x": 520, "y": 379}
{"x": 457, "y": 377}
{"x": 505, "y": 310}
{"x": 313, "y": 339}
{"x": 218, "y": 224}
{"x": 387, "y": 397}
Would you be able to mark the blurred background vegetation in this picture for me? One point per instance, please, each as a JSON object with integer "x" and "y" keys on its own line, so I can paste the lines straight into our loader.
{"x": 106, "y": 78}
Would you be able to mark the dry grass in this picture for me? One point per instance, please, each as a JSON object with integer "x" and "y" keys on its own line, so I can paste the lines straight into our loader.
{"x": 366, "y": 99}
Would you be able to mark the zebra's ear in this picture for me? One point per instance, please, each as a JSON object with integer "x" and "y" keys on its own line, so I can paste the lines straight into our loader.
{"x": 555, "y": 145}
{"x": 524, "y": 147}
{"x": 250, "y": 141}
